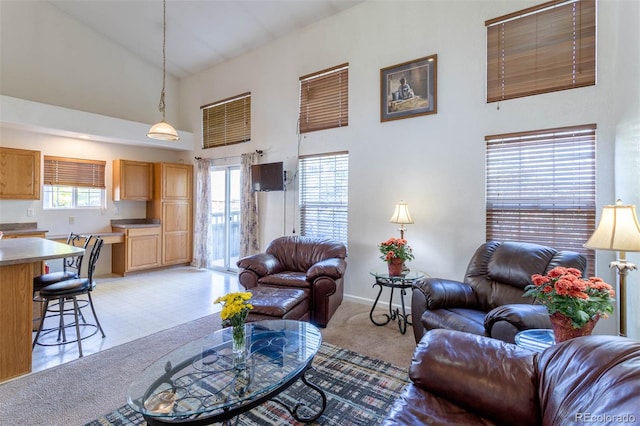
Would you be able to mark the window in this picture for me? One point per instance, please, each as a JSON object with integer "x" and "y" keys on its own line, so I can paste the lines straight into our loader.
{"x": 324, "y": 197}
{"x": 541, "y": 188}
{"x": 541, "y": 49}
{"x": 227, "y": 122}
{"x": 324, "y": 99}
{"x": 73, "y": 183}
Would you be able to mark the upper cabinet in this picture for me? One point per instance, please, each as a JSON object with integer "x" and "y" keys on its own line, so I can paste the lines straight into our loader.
{"x": 132, "y": 180}
{"x": 175, "y": 181}
{"x": 19, "y": 174}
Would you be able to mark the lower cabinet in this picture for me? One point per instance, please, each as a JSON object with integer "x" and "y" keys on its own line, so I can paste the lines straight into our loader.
{"x": 140, "y": 250}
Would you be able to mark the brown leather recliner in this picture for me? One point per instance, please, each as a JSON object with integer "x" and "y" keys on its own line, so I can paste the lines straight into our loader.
{"x": 464, "y": 379}
{"x": 489, "y": 301}
{"x": 316, "y": 265}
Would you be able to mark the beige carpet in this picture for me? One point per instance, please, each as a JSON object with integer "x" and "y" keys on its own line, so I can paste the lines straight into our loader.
{"x": 85, "y": 389}
{"x": 352, "y": 329}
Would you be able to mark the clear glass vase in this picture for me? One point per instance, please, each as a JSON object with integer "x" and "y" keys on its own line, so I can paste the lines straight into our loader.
{"x": 239, "y": 347}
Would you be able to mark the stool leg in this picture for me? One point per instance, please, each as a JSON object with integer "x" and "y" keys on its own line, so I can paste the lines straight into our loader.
{"x": 44, "y": 313}
{"x": 94, "y": 314}
{"x": 75, "y": 314}
{"x": 61, "y": 326}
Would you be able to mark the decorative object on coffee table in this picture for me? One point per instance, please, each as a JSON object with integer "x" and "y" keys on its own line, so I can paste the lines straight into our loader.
{"x": 235, "y": 309}
{"x": 574, "y": 304}
{"x": 395, "y": 252}
{"x": 618, "y": 230}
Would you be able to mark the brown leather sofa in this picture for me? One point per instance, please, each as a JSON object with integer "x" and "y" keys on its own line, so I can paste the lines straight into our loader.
{"x": 489, "y": 300}
{"x": 464, "y": 379}
{"x": 314, "y": 265}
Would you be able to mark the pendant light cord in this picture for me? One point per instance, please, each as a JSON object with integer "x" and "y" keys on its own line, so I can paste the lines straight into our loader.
{"x": 164, "y": 42}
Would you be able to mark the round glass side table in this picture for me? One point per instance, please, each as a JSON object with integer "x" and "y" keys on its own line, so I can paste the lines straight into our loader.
{"x": 402, "y": 282}
{"x": 535, "y": 339}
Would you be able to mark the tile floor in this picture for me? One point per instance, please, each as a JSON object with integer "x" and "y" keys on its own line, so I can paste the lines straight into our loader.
{"x": 141, "y": 304}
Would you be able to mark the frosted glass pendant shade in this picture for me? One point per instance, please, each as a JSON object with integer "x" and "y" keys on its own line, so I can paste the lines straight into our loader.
{"x": 163, "y": 131}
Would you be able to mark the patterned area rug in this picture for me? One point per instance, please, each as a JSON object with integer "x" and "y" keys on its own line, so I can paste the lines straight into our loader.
{"x": 359, "y": 389}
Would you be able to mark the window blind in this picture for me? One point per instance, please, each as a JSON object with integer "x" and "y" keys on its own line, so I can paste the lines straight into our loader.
{"x": 74, "y": 172}
{"x": 324, "y": 195}
{"x": 227, "y": 122}
{"x": 540, "y": 188}
{"x": 541, "y": 49}
{"x": 324, "y": 99}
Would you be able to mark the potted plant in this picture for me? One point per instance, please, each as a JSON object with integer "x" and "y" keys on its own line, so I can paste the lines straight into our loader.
{"x": 395, "y": 252}
{"x": 575, "y": 304}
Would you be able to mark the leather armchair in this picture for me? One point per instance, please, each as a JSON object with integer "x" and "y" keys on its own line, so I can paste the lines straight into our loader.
{"x": 489, "y": 300}
{"x": 313, "y": 264}
{"x": 464, "y": 379}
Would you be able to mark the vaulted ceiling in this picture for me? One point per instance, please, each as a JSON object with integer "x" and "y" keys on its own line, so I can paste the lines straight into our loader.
{"x": 200, "y": 33}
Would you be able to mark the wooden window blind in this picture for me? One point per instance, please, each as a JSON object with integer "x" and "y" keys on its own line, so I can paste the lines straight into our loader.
{"x": 324, "y": 195}
{"x": 542, "y": 49}
{"x": 540, "y": 188}
{"x": 74, "y": 172}
{"x": 324, "y": 99}
{"x": 227, "y": 122}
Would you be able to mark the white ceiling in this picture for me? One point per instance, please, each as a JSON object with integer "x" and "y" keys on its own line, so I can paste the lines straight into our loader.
{"x": 200, "y": 33}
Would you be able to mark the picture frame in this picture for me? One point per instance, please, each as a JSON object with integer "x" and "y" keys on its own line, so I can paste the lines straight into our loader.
{"x": 409, "y": 89}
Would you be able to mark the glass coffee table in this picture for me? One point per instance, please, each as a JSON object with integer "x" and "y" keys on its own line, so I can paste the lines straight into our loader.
{"x": 198, "y": 383}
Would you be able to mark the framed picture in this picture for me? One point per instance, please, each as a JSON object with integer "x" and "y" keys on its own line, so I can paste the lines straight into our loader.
{"x": 409, "y": 89}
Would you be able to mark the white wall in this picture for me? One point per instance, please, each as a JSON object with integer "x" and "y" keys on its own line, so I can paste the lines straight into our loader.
{"x": 49, "y": 57}
{"x": 435, "y": 162}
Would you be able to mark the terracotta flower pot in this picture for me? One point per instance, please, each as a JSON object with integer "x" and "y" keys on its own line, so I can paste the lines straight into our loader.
{"x": 563, "y": 330}
{"x": 395, "y": 267}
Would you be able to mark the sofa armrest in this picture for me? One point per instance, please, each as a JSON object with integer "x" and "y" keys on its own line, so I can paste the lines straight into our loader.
{"x": 494, "y": 379}
{"x": 261, "y": 263}
{"x": 333, "y": 268}
{"x": 442, "y": 293}
{"x": 522, "y": 316}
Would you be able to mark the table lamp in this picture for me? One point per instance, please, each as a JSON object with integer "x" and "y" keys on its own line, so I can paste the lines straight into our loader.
{"x": 619, "y": 231}
{"x": 401, "y": 216}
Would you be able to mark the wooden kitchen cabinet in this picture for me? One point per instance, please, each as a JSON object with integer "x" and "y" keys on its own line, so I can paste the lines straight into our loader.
{"x": 140, "y": 250}
{"x": 172, "y": 204}
{"x": 20, "y": 176}
{"x": 132, "y": 180}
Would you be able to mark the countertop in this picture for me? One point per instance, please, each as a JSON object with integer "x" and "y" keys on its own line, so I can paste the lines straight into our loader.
{"x": 15, "y": 251}
{"x": 135, "y": 223}
{"x": 21, "y": 228}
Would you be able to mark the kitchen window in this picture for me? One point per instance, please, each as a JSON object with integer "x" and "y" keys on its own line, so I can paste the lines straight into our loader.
{"x": 73, "y": 183}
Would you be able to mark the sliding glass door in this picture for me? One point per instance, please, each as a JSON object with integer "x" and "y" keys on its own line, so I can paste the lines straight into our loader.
{"x": 225, "y": 218}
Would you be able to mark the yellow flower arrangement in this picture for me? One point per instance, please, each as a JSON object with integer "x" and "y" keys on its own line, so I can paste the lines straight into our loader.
{"x": 234, "y": 308}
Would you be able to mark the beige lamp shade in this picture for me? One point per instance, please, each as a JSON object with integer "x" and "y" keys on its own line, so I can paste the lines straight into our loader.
{"x": 618, "y": 229}
{"x": 163, "y": 131}
{"x": 401, "y": 214}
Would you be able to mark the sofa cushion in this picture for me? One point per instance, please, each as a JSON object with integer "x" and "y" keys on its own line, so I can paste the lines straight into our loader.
{"x": 286, "y": 279}
{"x": 467, "y": 320}
{"x": 415, "y": 406}
{"x": 592, "y": 379}
{"x": 272, "y": 302}
{"x": 488, "y": 377}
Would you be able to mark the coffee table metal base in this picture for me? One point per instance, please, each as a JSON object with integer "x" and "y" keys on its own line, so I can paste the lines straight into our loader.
{"x": 225, "y": 416}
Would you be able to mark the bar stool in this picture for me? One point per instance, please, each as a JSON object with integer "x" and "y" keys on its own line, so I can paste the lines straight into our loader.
{"x": 71, "y": 289}
{"x": 70, "y": 265}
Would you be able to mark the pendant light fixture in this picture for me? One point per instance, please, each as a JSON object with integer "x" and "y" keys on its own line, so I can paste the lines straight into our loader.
{"x": 163, "y": 130}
